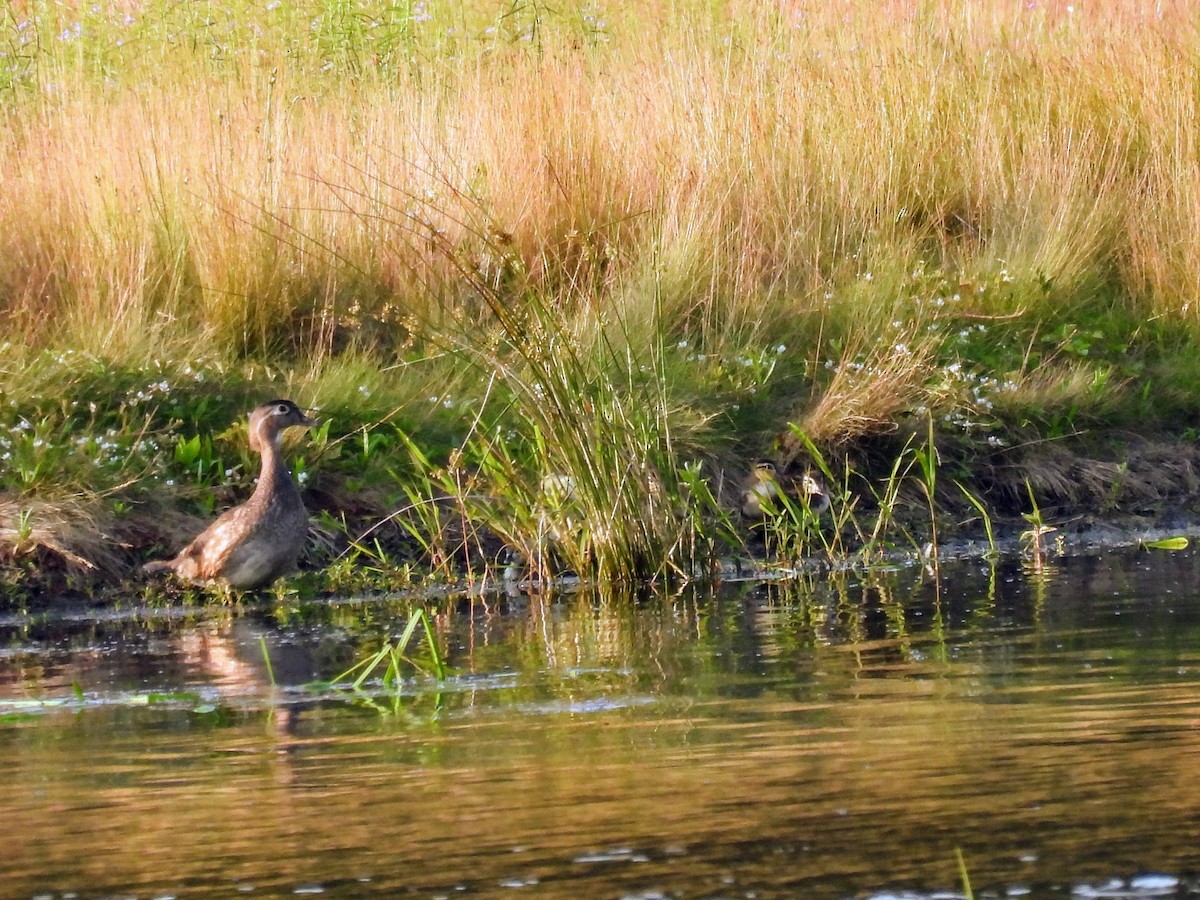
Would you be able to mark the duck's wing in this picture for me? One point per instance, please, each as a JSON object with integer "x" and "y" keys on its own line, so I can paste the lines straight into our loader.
{"x": 203, "y": 558}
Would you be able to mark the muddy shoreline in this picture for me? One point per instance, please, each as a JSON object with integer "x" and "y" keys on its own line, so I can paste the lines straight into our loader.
{"x": 1136, "y": 492}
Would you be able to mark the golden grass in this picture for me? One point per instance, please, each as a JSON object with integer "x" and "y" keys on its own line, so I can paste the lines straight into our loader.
{"x": 868, "y": 392}
{"x": 743, "y": 157}
{"x": 69, "y": 533}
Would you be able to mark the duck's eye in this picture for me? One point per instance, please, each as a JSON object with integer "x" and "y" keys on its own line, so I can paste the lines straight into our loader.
{"x": 282, "y": 409}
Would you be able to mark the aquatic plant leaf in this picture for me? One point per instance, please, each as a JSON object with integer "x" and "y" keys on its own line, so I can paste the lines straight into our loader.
{"x": 1172, "y": 543}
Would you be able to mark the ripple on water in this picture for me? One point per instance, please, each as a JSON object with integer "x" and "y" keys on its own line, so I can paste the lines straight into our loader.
{"x": 1150, "y": 886}
{"x": 613, "y": 855}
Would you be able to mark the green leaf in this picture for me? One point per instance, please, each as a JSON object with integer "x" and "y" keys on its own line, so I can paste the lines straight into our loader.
{"x": 1174, "y": 543}
{"x": 187, "y": 451}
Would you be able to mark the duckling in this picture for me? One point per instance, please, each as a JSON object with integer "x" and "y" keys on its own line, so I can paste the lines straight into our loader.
{"x": 251, "y": 545}
{"x": 763, "y": 491}
{"x": 812, "y": 494}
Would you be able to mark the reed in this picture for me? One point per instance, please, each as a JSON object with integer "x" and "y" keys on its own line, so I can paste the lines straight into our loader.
{"x": 391, "y": 661}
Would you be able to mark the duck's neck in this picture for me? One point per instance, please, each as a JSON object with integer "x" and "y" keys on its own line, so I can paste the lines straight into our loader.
{"x": 274, "y": 475}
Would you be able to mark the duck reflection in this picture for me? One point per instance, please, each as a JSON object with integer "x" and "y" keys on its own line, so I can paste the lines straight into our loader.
{"x": 244, "y": 661}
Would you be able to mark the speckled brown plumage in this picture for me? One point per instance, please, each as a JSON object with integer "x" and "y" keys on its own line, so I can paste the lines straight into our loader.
{"x": 251, "y": 545}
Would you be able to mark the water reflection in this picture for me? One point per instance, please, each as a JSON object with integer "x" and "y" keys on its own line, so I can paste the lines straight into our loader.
{"x": 838, "y": 737}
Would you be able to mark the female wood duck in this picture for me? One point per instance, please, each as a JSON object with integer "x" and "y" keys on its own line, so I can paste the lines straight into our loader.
{"x": 251, "y": 545}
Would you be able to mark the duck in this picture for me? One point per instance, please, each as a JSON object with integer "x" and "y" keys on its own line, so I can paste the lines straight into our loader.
{"x": 251, "y": 545}
{"x": 812, "y": 494}
{"x": 762, "y": 491}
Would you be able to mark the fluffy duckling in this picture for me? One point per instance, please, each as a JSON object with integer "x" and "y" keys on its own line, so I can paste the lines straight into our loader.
{"x": 763, "y": 490}
{"x": 760, "y": 491}
{"x": 812, "y": 495}
{"x": 251, "y": 545}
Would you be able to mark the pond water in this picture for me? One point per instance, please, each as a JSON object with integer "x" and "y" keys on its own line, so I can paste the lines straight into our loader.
{"x": 840, "y": 737}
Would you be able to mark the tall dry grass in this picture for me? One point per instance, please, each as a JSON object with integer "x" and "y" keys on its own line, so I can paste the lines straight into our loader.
{"x": 747, "y": 162}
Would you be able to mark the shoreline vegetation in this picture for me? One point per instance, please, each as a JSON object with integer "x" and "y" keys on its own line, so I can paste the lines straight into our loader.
{"x": 553, "y": 278}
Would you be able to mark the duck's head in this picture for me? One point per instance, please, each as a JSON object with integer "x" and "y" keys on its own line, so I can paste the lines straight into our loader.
{"x": 268, "y": 421}
{"x": 761, "y": 485}
{"x": 764, "y": 470}
{"x": 815, "y": 497}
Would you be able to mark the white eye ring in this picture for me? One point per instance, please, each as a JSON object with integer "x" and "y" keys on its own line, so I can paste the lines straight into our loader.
{"x": 282, "y": 409}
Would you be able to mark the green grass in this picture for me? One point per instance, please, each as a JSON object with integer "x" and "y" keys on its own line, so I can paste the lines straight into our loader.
{"x": 556, "y": 277}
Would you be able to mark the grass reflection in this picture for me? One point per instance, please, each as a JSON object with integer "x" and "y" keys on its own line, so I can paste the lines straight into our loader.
{"x": 754, "y": 733}
{"x": 812, "y": 635}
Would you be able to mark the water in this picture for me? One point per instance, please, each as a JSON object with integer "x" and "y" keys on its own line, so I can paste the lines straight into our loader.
{"x": 839, "y": 738}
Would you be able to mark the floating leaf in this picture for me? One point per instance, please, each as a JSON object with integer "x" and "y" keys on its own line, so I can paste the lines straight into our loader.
{"x": 1174, "y": 543}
